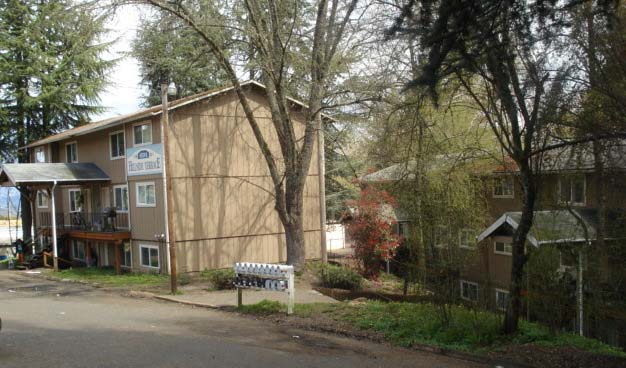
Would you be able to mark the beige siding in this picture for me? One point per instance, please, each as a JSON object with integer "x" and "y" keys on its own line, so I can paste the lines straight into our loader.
{"x": 146, "y": 222}
{"x": 222, "y": 190}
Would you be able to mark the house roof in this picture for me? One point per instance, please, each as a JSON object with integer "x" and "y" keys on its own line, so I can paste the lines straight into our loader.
{"x": 51, "y": 173}
{"x": 549, "y": 227}
{"x": 144, "y": 113}
{"x": 577, "y": 158}
{"x": 406, "y": 170}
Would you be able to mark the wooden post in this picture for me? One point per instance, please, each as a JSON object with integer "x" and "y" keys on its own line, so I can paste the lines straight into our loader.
{"x": 88, "y": 253}
{"x": 321, "y": 172}
{"x": 118, "y": 258}
{"x": 239, "y": 297}
{"x": 171, "y": 238}
{"x": 55, "y": 250}
{"x": 291, "y": 288}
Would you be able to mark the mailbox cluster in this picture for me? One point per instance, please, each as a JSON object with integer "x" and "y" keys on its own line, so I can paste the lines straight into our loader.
{"x": 262, "y": 276}
{"x": 265, "y": 276}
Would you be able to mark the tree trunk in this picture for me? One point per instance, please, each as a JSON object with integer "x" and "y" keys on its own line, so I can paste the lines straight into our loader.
{"x": 519, "y": 258}
{"x": 294, "y": 235}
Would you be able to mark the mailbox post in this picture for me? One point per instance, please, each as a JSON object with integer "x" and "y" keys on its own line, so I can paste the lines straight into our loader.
{"x": 265, "y": 276}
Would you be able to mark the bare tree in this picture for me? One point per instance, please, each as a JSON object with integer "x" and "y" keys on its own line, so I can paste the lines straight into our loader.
{"x": 274, "y": 29}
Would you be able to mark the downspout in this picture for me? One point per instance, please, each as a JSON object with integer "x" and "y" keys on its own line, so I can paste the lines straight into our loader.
{"x": 55, "y": 250}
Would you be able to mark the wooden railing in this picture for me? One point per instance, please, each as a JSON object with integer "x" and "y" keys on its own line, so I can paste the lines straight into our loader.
{"x": 86, "y": 221}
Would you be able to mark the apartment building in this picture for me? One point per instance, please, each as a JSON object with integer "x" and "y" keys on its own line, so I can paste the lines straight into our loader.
{"x": 108, "y": 182}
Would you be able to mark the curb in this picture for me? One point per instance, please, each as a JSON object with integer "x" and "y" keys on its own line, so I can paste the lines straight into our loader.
{"x": 184, "y": 302}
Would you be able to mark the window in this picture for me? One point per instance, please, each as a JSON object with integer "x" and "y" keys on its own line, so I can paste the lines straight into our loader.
{"x": 75, "y": 200}
{"x": 502, "y": 299}
{"x": 146, "y": 196}
{"x": 469, "y": 290}
{"x": 403, "y": 229}
{"x": 440, "y": 236}
{"x": 142, "y": 134}
{"x": 149, "y": 256}
{"x": 503, "y": 248}
{"x": 467, "y": 239}
{"x": 572, "y": 190}
{"x": 40, "y": 154}
{"x": 120, "y": 198}
{"x": 71, "y": 154}
{"x": 78, "y": 250}
{"x": 42, "y": 199}
{"x": 127, "y": 255}
{"x": 503, "y": 187}
{"x": 117, "y": 144}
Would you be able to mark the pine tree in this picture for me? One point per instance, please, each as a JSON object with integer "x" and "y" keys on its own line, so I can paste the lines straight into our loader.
{"x": 51, "y": 73}
{"x": 166, "y": 49}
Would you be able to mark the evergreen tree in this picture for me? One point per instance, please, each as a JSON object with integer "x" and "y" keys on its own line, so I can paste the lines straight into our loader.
{"x": 167, "y": 49}
{"x": 51, "y": 73}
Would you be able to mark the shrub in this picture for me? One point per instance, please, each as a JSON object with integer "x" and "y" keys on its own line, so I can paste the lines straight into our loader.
{"x": 184, "y": 279}
{"x": 223, "y": 279}
{"x": 339, "y": 277}
{"x": 372, "y": 230}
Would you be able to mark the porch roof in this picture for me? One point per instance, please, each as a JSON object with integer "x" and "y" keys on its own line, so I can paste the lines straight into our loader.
{"x": 556, "y": 226}
{"x": 47, "y": 174}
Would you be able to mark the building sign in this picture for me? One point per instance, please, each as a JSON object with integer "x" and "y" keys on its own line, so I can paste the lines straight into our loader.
{"x": 144, "y": 160}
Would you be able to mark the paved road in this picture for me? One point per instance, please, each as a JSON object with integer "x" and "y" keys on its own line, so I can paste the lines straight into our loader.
{"x": 50, "y": 324}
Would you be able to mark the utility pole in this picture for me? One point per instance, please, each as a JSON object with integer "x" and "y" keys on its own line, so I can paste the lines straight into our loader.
{"x": 168, "y": 186}
{"x": 321, "y": 173}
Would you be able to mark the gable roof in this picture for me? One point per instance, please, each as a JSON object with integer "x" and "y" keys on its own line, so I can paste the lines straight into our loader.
{"x": 148, "y": 112}
{"x": 549, "y": 227}
{"x": 51, "y": 173}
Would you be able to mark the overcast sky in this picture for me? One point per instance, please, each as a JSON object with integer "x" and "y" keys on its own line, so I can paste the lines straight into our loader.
{"x": 124, "y": 92}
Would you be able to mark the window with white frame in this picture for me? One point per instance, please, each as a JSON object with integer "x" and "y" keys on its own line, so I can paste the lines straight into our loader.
{"x": 75, "y": 200}
{"x": 469, "y": 290}
{"x": 116, "y": 140}
{"x": 146, "y": 194}
{"x": 440, "y": 236}
{"x": 127, "y": 255}
{"x": 503, "y": 187}
{"x": 149, "y": 255}
{"x": 40, "y": 154}
{"x": 120, "y": 198}
{"x": 467, "y": 239}
{"x": 501, "y": 247}
{"x": 572, "y": 190}
{"x": 71, "y": 152}
{"x": 502, "y": 299}
{"x": 42, "y": 199}
{"x": 78, "y": 250}
{"x": 142, "y": 134}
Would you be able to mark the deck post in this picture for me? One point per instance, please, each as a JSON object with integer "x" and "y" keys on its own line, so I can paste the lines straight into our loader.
{"x": 118, "y": 258}
{"x": 88, "y": 254}
{"x": 55, "y": 252}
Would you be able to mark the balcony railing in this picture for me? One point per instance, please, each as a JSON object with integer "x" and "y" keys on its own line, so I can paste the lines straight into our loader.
{"x": 86, "y": 221}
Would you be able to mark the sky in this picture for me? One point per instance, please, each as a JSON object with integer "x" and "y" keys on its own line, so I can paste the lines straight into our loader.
{"x": 124, "y": 92}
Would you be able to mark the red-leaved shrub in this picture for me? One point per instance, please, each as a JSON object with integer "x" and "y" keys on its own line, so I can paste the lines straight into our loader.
{"x": 372, "y": 230}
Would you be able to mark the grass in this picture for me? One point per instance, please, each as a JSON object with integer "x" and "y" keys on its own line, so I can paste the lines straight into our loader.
{"x": 108, "y": 277}
{"x": 408, "y": 324}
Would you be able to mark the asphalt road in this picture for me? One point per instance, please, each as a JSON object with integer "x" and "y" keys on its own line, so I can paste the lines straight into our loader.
{"x": 56, "y": 324}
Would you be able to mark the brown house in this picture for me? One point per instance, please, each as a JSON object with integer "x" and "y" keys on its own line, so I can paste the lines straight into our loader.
{"x": 108, "y": 178}
{"x": 566, "y": 218}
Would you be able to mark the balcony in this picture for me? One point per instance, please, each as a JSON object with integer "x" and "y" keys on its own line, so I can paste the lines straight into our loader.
{"x": 88, "y": 225}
